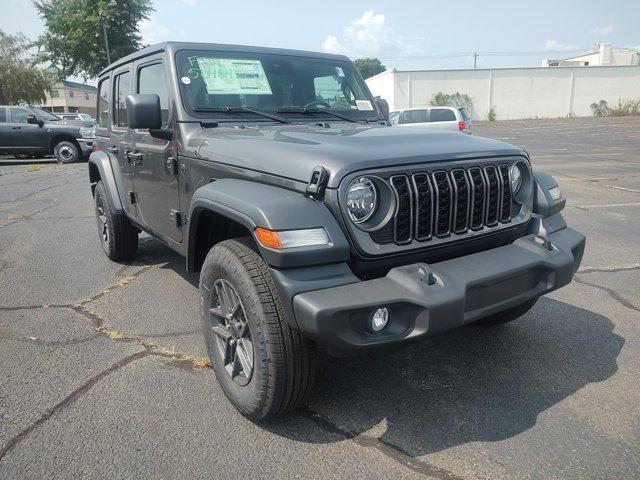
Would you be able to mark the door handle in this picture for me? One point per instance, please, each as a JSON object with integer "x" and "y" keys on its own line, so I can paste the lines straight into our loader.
{"x": 113, "y": 150}
{"x": 16, "y": 128}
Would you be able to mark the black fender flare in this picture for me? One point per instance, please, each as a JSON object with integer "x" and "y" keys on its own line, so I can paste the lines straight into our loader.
{"x": 255, "y": 205}
{"x": 100, "y": 161}
{"x": 543, "y": 205}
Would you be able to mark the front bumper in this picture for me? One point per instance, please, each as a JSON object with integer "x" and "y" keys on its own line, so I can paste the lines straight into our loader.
{"x": 466, "y": 289}
{"x": 86, "y": 145}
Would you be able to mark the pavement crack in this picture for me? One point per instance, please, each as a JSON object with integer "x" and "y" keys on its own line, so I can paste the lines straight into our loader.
{"x": 611, "y": 292}
{"x": 68, "y": 400}
{"x": 50, "y": 343}
{"x": 394, "y": 452}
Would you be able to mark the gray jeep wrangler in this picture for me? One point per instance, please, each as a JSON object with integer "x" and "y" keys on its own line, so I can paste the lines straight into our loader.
{"x": 312, "y": 222}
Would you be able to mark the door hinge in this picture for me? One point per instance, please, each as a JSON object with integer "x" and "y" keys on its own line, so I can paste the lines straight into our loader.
{"x": 171, "y": 166}
{"x": 317, "y": 182}
{"x": 176, "y": 216}
{"x": 132, "y": 197}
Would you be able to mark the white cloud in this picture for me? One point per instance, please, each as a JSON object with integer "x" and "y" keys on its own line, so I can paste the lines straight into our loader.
{"x": 606, "y": 30}
{"x": 153, "y": 31}
{"x": 552, "y": 45}
{"x": 368, "y": 36}
{"x": 191, "y": 3}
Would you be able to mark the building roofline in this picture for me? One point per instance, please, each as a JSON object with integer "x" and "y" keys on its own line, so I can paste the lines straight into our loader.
{"x": 506, "y": 68}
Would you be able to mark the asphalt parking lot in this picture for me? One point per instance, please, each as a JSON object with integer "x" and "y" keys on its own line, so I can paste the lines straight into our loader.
{"x": 104, "y": 372}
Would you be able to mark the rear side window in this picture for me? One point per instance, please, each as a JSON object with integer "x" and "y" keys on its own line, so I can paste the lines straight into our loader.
{"x": 415, "y": 116}
{"x": 123, "y": 87}
{"x": 103, "y": 103}
{"x": 151, "y": 79}
{"x": 442, "y": 115}
{"x": 3, "y": 115}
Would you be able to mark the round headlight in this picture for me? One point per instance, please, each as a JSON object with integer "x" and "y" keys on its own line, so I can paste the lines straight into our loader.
{"x": 516, "y": 174}
{"x": 362, "y": 199}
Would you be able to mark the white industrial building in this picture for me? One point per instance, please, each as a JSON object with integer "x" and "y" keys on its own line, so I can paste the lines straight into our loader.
{"x": 606, "y": 55}
{"x": 513, "y": 93}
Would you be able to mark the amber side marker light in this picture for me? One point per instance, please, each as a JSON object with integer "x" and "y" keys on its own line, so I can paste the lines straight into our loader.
{"x": 284, "y": 239}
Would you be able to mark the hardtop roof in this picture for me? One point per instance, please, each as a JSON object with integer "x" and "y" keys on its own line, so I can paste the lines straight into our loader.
{"x": 173, "y": 47}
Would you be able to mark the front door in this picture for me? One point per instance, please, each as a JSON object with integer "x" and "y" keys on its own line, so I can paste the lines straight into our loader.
{"x": 155, "y": 178}
{"x": 26, "y": 136}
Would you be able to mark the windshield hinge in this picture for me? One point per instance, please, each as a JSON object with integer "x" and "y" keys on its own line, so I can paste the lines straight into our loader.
{"x": 318, "y": 182}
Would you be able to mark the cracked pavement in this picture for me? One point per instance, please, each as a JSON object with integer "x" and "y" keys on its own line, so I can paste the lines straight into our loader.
{"x": 104, "y": 372}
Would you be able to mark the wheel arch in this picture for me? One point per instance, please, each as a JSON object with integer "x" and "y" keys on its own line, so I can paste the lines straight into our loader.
{"x": 100, "y": 170}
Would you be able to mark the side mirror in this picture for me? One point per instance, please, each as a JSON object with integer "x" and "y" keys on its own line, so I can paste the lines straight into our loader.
{"x": 383, "y": 106}
{"x": 33, "y": 120}
{"x": 143, "y": 111}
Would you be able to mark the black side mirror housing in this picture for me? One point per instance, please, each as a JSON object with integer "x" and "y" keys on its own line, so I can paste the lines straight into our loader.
{"x": 383, "y": 106}
{"x": 143, "y": 111}
{"x": 33, "y": 120}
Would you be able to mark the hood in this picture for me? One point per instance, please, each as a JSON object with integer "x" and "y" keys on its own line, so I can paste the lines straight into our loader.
{"x": 292, "y": 151}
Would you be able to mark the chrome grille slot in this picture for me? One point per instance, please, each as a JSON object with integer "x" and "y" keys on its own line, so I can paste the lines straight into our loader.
{"x": 505, "y": 216}
{"x": 442, "y": 189}
{"x": 461, "y": 200}
{"x": 478, "y": 188}
{"x": 424, "y": 205}
{"x": 493, "y": 195}
{"x": 403, "y": 219}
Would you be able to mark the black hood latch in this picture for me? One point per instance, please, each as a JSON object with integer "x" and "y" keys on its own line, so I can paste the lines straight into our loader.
{"x": 318, "y": 182}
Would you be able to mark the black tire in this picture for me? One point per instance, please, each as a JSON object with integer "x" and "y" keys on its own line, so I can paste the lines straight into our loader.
{"x": 119, "y": 239}
{"x": 283, "y": 361}
{"x": 66, "y": 151}
{"x": 507, "y": 315}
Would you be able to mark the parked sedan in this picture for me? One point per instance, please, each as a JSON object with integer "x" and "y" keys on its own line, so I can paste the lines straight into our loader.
{"x": 85, "y": 117}
{"x": 450, "y": 118}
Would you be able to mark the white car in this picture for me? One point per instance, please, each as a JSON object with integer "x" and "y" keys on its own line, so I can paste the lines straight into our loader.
{"x": 450, "y": 118}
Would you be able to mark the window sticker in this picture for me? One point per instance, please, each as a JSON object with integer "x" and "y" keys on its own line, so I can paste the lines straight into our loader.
{"x": 339, "y": 71}
{"x": 227, "y": 76}
{"x": 186, "y": 80}
{"x": 364, "y": 105}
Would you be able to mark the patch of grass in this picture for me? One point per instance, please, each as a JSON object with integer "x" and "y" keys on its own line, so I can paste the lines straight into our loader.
{"x": 34, "y": 167}
{"x": 113, "y": 335}
{"x": 491, "y": 116}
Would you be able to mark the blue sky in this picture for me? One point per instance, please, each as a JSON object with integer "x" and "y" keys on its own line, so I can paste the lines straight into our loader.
{"x": 404, "y": 34}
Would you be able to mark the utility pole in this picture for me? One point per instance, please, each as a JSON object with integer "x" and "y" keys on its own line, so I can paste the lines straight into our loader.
{"x": 475, "y": 59}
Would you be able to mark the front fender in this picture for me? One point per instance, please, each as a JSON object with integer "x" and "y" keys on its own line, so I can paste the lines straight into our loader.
{"x": 257, "y": 205}
{"x": 100, "y": 169}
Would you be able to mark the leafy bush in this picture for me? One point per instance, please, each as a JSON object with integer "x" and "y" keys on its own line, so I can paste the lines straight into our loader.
{"x": 457, "y": 99}
{"x": 624, "y": 107}
{"x": 491, "y": 116}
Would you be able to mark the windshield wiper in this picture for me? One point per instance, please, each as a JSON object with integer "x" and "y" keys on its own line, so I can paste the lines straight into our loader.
{"x": 277, "y": 118}
{"x": 315, "y": 110}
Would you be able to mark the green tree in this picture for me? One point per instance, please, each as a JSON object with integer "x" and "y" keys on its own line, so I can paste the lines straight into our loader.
{"x": 21, "y": 81}
{"x": 370, "y": 66}
{"x": 73, "y": 42}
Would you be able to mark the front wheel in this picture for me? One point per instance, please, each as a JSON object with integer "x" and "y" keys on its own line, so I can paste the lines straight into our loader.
{"x": 264, "y": 367}
{"x": 66, "y": 152}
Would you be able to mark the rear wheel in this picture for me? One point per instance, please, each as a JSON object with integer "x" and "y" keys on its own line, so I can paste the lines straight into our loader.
{"x": 264, "y": 367}
{"x": 66, "y": 151}
{"x": 508, "y": 315}
{"x": 119, "y": 239}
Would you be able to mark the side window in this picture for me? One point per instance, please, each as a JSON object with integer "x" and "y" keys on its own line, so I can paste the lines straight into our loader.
{"x": 151, "y": 79}
{"x": 103, "y": 103}
{"x": 442, "y": 115}
{"x": 19, "y": 115}
{"x": 3, "y": 115}
{"x": 123, "y": 87}
{"x": 415, "y": 116}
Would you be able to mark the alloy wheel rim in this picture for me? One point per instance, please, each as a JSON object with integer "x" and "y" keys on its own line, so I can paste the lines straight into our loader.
{"x": 102, "y": 224}
{"x": 66, "y": 153}
{"x": 228, "y": 323}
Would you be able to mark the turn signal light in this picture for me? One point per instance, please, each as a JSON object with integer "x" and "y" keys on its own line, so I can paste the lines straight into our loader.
{"x": 268, "y": 239}
{"x": 462, "y": 126}
{"x": 309, "y": 237}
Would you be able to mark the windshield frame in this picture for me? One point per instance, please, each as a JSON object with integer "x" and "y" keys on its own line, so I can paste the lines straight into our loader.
{"x": 179, "y": 57}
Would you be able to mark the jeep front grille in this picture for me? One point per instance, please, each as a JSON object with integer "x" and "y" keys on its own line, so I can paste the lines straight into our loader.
{"x": 446, "y": 202}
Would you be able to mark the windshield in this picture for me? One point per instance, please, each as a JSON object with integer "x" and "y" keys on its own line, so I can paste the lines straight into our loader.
{"x": 220, "y": 84}
{"x": 45, "y": 115}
